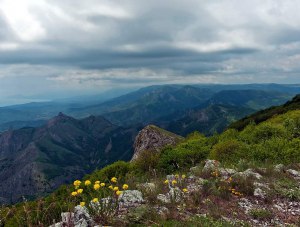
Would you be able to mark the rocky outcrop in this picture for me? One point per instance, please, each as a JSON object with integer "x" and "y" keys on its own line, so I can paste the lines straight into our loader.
{"x": 153, "y": 139}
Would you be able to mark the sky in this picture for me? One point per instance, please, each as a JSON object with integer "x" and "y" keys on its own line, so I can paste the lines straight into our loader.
{"x": 61, "y": 48}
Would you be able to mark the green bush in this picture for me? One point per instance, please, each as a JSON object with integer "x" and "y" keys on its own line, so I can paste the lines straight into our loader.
{"x": 227, "y": 151}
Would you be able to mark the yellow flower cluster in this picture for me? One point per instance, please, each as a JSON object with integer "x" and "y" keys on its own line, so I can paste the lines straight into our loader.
{"x": 234, "y": 192}
{"x": 96, "y": 186}
{"x": 185, "y": 190}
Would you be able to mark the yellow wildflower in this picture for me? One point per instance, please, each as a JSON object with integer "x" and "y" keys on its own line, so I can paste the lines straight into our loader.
{"x": 77, "y": 183}
{"x": 79, "y": 191}
{"x": 116, "y": 188}
{"x": 118, "y": 193}
{"x": 74, "y": 193}
{"x": 87, "y": 183}
{"x": 125, "y": 186}
{"x": 82, "y": 204}
{"x": 111, "y": 187}
{"x": 183, "y": 176}
{"x": 102, "y": 184}
{"x": 97, "y": 182}
{"x": 176, "y": 175}
{"x": 174, "y": 182}
{"x": 166, "y": 181}
{"x": 96, "y": 186}
{"x": 95, "y": 200}
{"x": 185, "y": 190}
{"x": 114, "y": 180}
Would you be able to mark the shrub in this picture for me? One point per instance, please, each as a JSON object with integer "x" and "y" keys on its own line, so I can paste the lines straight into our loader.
{"x": 227, "y": 151}
{"x": 260, "y": 214}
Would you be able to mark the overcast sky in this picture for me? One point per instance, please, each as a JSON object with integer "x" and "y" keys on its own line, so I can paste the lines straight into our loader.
{"x": 60, "y": 48}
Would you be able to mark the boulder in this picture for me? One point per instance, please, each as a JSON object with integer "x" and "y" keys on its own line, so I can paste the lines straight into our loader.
{"x": 210, "y": 166}
{"x": 130, "y": 198}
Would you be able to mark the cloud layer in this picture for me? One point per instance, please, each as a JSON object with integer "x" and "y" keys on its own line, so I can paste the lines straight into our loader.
{"x": 70, "y": 45}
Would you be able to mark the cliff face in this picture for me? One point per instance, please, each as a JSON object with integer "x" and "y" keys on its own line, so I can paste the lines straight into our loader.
{"x": 153, "y": 139}
{"x": 35, "y": 161}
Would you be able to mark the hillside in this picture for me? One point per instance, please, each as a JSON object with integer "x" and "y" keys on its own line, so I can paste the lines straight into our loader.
{"x": 237, "y": 178}
{"x": 35, "y": 161}
{"x": 207, "y": 120}
{"x": 264, "y": 115}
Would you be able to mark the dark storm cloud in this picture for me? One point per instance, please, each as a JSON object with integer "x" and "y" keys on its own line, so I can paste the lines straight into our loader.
{"x": 118, "y": 42}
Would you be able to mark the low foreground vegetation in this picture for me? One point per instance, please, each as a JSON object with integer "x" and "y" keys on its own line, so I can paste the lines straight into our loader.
{"x": 238, "y": 178}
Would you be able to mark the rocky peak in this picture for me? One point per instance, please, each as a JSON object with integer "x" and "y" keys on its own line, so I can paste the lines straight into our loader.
{"x": 153, "y": 138}
{"x": 60, "y": 118}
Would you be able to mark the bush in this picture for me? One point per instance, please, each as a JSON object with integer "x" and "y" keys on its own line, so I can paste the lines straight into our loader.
{"x": 146, "y": 162}
{"x": 227, "y": 151}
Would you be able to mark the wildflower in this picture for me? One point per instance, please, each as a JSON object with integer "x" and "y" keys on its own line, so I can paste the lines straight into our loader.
{"x": 118, "y": 193}
{"x": 183, "y": 176}
{"x": 116, "y": 188}
{"x": 174, "y": 182}
{"x": 125, "y": 186}
{"x": 166, "y": 181}
{"x": 87, "y": 182}
{"x": 96, "y": 186}
{"x": 114, "y": 180}
{"x": 79, "y": 191}
{"x": 185, "y": 190}
{"x": 74, "y": 193}
{"x": 111, "y": 187}
{"x": 95, "y": 200}
{"x": 102, "y": 184}
{"x": 230, "y": 179}
{"x": 176, "y": 175}
{"x": 77, "y": 183}
{"x": 82, "y": 204}
{"x": 97, "y": 182}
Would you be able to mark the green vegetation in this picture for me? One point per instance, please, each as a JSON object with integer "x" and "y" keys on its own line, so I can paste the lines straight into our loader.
{"x": 266, "y": 114}
{"x": 273, "y": 141}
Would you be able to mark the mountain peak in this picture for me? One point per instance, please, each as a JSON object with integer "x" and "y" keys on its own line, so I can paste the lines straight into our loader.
{"x": 60, "y": 118}
{"x": 153, "y": 139}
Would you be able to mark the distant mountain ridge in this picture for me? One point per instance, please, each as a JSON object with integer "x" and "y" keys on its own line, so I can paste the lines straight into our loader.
{"x": 34, "y": 161}
{"x": 149, "y": 103}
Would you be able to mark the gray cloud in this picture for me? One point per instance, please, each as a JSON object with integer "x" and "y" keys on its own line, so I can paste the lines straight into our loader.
{"x": 95, "y": 44}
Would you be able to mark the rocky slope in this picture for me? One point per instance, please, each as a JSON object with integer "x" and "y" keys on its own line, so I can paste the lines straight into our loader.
{"x": 35, "y": 161}
{"x": 153, "y": 139}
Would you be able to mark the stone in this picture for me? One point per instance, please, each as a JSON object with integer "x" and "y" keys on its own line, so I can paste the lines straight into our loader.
{"x": 259, "y": 193}
{"x": 67, "y": 217}
{"x": 226, "y": 172}
{"x": 148, "y": 187}
{"x": 163, "y": 198}
{"x": 153, "y": 139}
{"x": 279, "y": 168}
{"x": 175, "y": 194}
{"x": 131, "y": 198}
{"x": 293, "y": 172}
{"x": 210, "y": 166}
{"x": 249, "y": 173}
{"x": 82, "y": 217}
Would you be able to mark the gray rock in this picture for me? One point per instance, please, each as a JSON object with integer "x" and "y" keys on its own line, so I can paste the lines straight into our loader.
{"x": 249, "y": 173}
{"x": 279, "y": 168}
{"x": 148, "y": 187}
{"x": 226, "y": 172}
{"x": 131, "y": 198}
{"x": 153, "y": 139}
{"x": 175, "y": 194}
{"x": 82, "y": 217}
{"x": 259, "y": 193}
{"x": 163, "y": 198}
{"x": 210, "y": 166}
{"x": 67, "y": 217}
{"x": 293, "y": 172}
